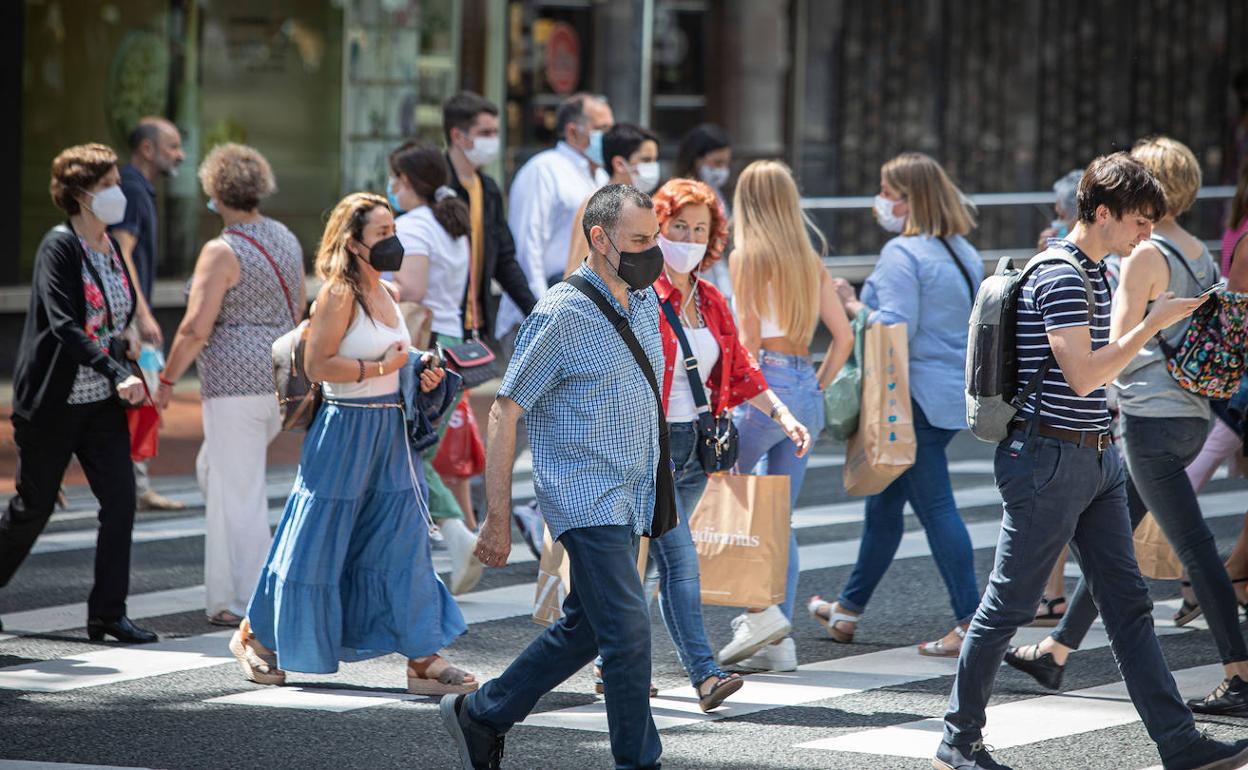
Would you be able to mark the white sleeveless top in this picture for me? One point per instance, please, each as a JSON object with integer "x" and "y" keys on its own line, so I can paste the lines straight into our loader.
{"x": 680, "y": 404}
{"x": 369, "y": 340}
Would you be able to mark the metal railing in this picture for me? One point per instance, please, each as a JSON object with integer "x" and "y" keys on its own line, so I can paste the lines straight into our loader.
{"x": 856, "y": 267}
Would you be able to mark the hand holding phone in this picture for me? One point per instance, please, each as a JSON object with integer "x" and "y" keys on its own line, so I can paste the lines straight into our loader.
{"x": 1214, "y": 289}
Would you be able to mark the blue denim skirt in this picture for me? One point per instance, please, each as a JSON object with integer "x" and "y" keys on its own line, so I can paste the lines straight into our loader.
{"x": 350, "y": 575}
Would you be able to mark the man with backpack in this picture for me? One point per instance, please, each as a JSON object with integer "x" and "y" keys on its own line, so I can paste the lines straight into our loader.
{"x": 1061, "y": 478}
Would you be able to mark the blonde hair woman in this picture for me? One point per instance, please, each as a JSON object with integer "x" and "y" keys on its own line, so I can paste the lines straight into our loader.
{"x": 782, "y": 291}
{"x": 350, "y": 575}
{"x": 246, "y": 292}
{"x": 926, "y": 278}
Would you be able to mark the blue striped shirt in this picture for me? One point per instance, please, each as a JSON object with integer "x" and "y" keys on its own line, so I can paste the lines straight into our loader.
{"x": 1054, "y": 297}
{"x": 591, "y": 416}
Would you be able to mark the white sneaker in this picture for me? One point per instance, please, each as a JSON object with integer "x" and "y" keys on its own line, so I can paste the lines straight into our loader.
{"x": 466, "y": 568}
{"x": 781, "y": 656}
{"x": 753, "y": 630}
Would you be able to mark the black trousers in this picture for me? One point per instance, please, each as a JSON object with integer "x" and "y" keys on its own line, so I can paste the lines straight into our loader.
{"x": 100, "y": 438}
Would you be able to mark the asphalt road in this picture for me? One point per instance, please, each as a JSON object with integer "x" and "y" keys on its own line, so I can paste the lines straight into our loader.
{"x": 184, "y": 704}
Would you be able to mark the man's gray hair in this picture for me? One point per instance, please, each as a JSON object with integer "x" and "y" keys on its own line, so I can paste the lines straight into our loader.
{"x": 572, "y": 110}
{"x": 1067, "y": 189}
{"x": 605, "y": 206}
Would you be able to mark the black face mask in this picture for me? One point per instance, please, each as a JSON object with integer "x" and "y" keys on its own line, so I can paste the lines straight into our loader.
{"x": 638, "y": 269}
{"x": 386, "y": 255}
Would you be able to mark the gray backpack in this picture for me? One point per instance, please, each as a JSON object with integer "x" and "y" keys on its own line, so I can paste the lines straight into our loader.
{"x": 993, "y": 397}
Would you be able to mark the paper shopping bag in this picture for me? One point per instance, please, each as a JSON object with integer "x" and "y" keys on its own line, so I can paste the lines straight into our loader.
{"x": 741, "y": 533}
{"x": 554, "y": 578}
{"x": 1154, "y": 553}
{"x": 884, "y": 446}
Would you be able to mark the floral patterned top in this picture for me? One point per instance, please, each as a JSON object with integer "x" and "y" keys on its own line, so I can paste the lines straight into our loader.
{"x": 89, "y": 385}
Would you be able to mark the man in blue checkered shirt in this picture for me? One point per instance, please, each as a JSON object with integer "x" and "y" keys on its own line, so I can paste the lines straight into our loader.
{"x": 592, "y": 419}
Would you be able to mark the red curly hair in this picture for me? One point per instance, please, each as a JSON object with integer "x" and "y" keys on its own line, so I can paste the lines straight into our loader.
{"x": 678, "y": 193}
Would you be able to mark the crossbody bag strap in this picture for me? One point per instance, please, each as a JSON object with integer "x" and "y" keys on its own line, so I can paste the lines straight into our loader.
{"x": 691, "y": 360}
{"x": 1173, "y": 254}
{"x": 970, "y": 284}
{"x": 622, "y": 328}
{"x": 290, "y": 303}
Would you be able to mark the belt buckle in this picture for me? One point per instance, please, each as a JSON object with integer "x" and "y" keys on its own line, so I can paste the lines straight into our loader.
{"x": 1102, "y": 442}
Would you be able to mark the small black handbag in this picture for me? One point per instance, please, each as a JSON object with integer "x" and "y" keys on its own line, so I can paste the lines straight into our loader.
{"x": 718, "y": 442}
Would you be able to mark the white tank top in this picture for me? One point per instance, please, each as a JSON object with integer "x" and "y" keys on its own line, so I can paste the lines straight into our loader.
{"x": 369, "y": 340}
{"x": 680, "y": 405}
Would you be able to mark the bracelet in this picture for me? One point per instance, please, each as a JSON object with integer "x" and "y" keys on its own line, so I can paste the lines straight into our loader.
{"x": 163, "y": 381}
{"x": 360, "y": 361}
{"x": 381, "y": 368}
{"x": 776, "y": 410}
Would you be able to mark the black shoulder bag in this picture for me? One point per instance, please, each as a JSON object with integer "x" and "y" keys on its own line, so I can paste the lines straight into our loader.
{"x": 718, "y": 442}
{"x": 664, "y": 517}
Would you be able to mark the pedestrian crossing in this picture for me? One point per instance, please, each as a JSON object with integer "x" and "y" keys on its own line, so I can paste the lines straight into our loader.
{"x": 816, "y": 685}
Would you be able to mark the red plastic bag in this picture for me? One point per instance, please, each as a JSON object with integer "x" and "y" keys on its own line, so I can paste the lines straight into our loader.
{"x": 462, "y": 453}
{"x": 144, "y": 421}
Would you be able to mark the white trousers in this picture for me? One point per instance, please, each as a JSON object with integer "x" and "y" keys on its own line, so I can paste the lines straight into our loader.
{"x": 231, "y": 470}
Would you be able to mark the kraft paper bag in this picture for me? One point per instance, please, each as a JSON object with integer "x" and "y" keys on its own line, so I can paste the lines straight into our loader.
{"x": 741, "y": 533}
{"x": 554, "y": 578}
{"x": 884, "y": 446}
{"x": 1154, "y": 553}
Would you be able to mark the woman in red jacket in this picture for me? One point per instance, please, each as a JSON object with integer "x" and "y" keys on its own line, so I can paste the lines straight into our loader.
{"x": 693, "y": 231}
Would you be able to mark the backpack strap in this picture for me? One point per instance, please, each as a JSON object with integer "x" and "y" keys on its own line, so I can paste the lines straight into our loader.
{"x": 1065, "y": 254}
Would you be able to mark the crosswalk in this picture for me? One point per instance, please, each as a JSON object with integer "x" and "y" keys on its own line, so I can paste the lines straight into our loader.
{"x": 816, "y": 684}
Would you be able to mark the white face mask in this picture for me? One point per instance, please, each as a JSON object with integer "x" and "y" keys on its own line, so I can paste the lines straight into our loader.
{"x": 885, "y": 216}
{"x": 484, "y": 150}
{"x": 681, "y": 256}
{"x": 646, "y": 175}
{"x": 109, "y": 205}
{"x": 715, "y": 176}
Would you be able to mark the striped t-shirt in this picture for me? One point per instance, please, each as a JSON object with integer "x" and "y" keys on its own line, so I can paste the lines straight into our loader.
{"x": 1054, "y": 297}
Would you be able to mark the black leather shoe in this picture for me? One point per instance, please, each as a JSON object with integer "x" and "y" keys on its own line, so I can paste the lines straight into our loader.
{"x": 1230, "y": 699}
{"x": 121, "y": 629}
{"x": 1043, "y": 669}
{"x": 973, "y": 757}
{"x": 479, "y": 747}
{"x": 1208, "y": 754}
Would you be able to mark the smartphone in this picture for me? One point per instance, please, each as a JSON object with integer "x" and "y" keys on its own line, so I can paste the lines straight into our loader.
{"x": 1214, "y": 289}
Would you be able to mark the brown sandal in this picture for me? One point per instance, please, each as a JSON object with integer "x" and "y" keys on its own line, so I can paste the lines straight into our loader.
{"x": 725, "y": 685}
{"x": 450, "y": 680}
{"x": 259, "y": 664}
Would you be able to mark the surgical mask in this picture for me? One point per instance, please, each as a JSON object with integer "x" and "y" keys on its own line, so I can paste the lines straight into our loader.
{"x": 638, "y": 269}
{"x": 212, "y": 206}
{"x": 594, "y": 150}
{"x": 715, "y": 176}
{"x": 393, "y": 197}
{"x": 646, "y": 175}
{"x": 386, "y": 255}
{"x": 484, "y": 150}
{"x": 885, "y": 216}
{"x": 681, "y": 256}
{"x": 109, "y": 205}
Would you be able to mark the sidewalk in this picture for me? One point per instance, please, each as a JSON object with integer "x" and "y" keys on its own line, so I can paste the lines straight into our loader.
{"x": 182, "y": 434}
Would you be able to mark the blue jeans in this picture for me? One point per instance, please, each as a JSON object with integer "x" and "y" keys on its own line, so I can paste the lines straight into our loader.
{"x": 1056, "y": 492}
{"x": 605, "y": 610}
{"x": 1158, "y": 451}
{"x": 926, "y": 486}
{"x": 676, "y": 563}
{"x": 765, "y": 448}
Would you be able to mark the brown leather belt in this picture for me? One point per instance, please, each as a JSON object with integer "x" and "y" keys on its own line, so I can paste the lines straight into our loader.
{"x": 1098, "y": 440}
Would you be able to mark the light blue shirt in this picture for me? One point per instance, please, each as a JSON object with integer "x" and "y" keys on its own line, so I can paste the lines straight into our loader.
{"x": 591, "y": 416}
{"x": 917, "y": 283}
